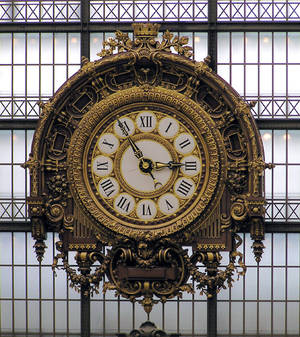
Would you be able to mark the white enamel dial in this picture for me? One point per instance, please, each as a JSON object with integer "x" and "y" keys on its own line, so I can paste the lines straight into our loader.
{"x": 128, "y": 124}
{"x": 108, "y": 143}
{"x": 133, "y": 175}
{"x": 102, "y": 166}
{"x": 146, "y": 121}
{"x": 184, "y": 143}
{"x": 168, "y": 127}
{"x": 146, "y": 209}
{"x": 168, "y": 203}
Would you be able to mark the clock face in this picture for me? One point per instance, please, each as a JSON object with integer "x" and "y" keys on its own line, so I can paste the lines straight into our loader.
{"x": 146, "y": 167}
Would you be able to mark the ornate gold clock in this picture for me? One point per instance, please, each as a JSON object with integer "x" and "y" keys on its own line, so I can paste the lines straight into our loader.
{"x": 146, "y": 151}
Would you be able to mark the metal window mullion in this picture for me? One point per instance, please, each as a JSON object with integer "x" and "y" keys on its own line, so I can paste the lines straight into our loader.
{"x": 26, "y": 66}
{"x": 133, "y": 316}
{"x": 53, "y": 285}
{"x": 26, "y": 282}
{"x": 244, "y": 287}
{"x": 13, "y": 282}
{"x": 286, "y": 285}
{"x": 272, "y": 282}
{"x": 119, "y": 313}
{"x": 40, "y": 297}
{"x": 244, "y": 65}
{"x": 229, "y": 311}
{"x": 178, "y": 315}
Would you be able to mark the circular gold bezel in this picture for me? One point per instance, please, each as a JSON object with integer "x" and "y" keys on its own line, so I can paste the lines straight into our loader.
{"x": 212, "y": 183}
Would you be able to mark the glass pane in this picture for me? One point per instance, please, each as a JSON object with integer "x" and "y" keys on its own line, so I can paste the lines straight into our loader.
{"x": 264, "y": 318}
{"x": 279, "y": 80}
{"x": 279, "y": 181}
{"x": 19, "y": 146}
{"x": 47, "y": 48}
{"x": 5, "y": 174}
{"x": 19, "y": 248}
{"x": 223, "y": 47}
{"x": 251, "y": 80}
{"x": 280, "y": 146}
{"x": 19, "y": 48}
{"x": 200, "y": 46}
{"x": 294, "y": 182}
{"x": 278, "y": 318}
{"x": 74, "y": 48}
{"x": 265, "y": 279}
{"x": 5, "y": 48}
{"x": 60, "y": 75}
{"x": 33, "y": 80}
{"x": 280, "y": 47}
{"x": 19, "y": 80}
{"x": 19, "y": 282}
{"x": 5, "y": 146}
{"x": 237, "y": 46}
{"x": 251, "y": 318}
{"x": 96, "y": 40}
{"x": 238, "y": 79}
{"x": 18, "y": 182}
{"x": 265, "y": 80}
{"x": 47, "y": 316}
{"x": 33, "y": 44}
{"x": 20, "y": 315}
{"x": 293, "y": 79}
{"x": 265, "y": 45}
{"x": 279, "y": 253}
{"x": 33, "y": 316}
{"x": 46, "y": 80}
{"x": 293, "y": 247}
{"x": 293, "y": 47}
{"x": 60, "y": 44}
{"x": 293, "y": 146}
{"x": 5, "y": 72}
{"x": 279, "y": 283}
{"x": 293, "y": 318}
{"x": 293, "y": 281}
{"x": 251, "y": 41}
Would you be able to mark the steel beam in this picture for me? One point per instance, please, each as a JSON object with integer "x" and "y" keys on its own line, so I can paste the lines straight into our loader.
{"x": 174, "y": 26}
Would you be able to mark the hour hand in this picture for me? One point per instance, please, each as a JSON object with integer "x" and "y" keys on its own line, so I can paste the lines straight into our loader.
{"x": 137, "y": 152}
{"x": 171, "y": 165}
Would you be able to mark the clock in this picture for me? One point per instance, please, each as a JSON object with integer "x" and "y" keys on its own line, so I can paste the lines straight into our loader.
{"x": 146, "y": 164}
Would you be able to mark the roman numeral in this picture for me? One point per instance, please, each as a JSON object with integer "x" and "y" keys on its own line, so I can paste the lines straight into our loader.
{"x": 108, "y": 187}
{"x": 190, "y": 166}
{"x": 167, "y": 129}
{"x": 169, "y": 206}
{"x": 107, "y": 143}
{"x": 185, "y": 143}
{"x": 184, "y": 187}
{"x": 102, "y": 166}
{"x": 146, "y": 121}
{"x": 124, "y": 204}
{"x": 146, "y": 210}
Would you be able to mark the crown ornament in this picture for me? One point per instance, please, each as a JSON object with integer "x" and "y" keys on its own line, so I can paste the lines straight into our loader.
{"x": 145, "y": 34}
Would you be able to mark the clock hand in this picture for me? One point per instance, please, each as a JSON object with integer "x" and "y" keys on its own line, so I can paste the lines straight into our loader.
{"x": 171, "y": 165}
{"x": 157, "y": 184}
{"x": 137, "y": 152}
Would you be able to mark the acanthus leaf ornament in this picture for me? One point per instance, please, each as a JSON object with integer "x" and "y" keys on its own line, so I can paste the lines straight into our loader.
{"x": 145, "y": 151}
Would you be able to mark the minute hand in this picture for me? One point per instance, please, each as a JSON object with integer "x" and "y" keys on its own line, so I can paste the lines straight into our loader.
{"x": 171, "y": 165}
{"x": 137, "y": 152}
